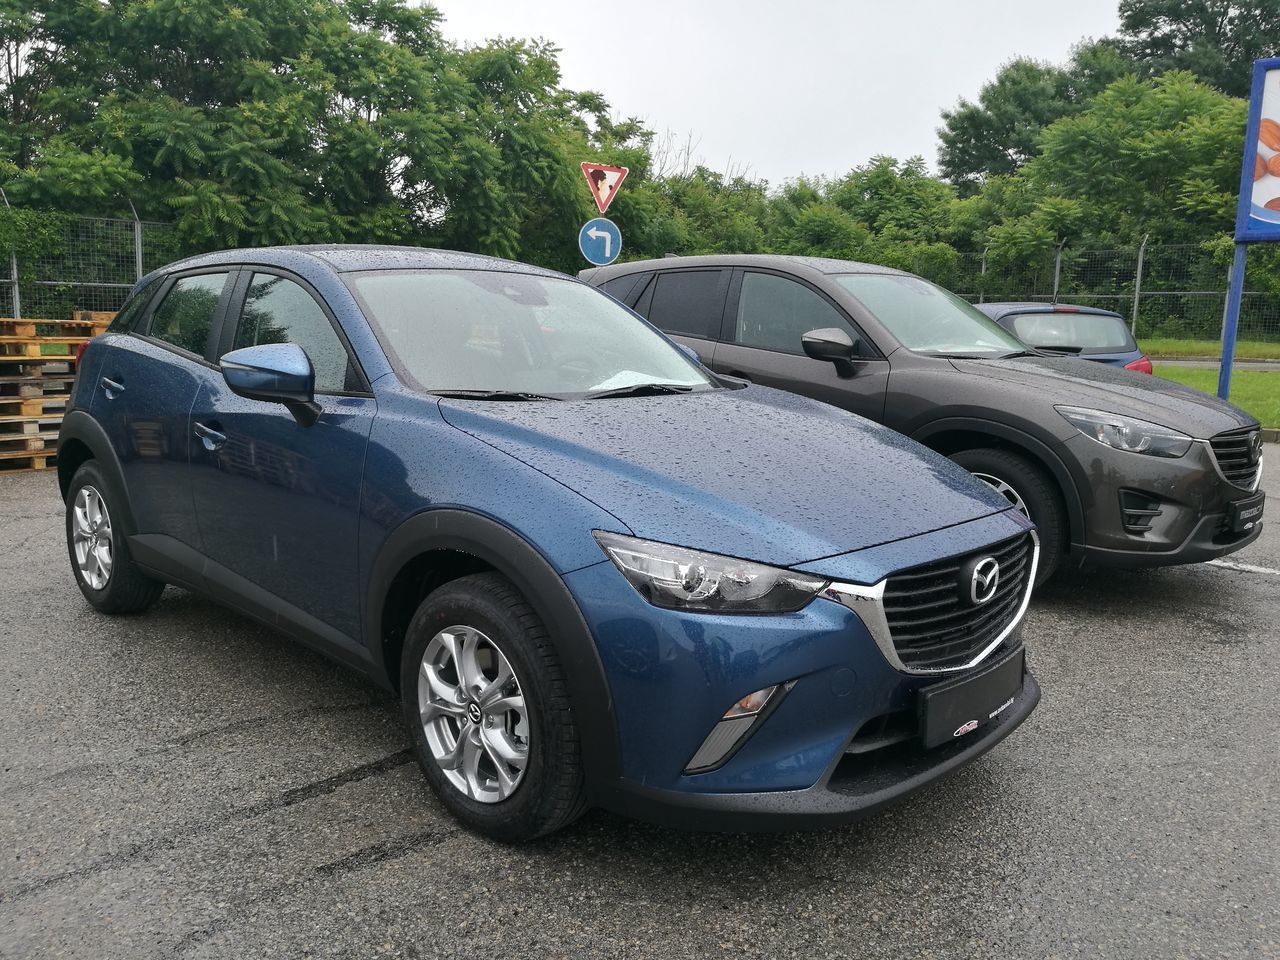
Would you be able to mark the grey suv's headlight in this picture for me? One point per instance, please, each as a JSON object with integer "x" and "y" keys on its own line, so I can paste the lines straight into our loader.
{"x": 1127, "y": 433}
{"x": 684, "y": 579}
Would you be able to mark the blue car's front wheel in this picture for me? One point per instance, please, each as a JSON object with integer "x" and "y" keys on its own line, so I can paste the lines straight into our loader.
{"x": 485, "y": 698}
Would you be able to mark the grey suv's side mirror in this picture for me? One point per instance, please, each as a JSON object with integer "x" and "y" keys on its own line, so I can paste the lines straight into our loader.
{"x": 832, "y": 344}
{"x": 276, "y": 373}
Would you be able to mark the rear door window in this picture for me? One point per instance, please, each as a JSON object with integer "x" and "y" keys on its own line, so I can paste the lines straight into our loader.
{"x": 687, "y": 302}
{"x": 185, "y": 315}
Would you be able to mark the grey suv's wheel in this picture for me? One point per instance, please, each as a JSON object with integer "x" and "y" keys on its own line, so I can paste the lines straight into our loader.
{"x": 485, "y": 699}
{"x": 1030, "y": 490}
{"x": 107, "y": 577}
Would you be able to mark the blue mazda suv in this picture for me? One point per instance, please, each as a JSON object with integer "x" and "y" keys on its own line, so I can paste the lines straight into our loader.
{"x": 595, "y": 573}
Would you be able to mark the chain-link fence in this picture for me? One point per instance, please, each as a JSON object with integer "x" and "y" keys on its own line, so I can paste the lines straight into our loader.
{"x": 91, "y": 266}
{"x": 1175, "y": 291}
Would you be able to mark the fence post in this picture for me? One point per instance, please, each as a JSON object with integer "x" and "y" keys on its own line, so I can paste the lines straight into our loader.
{"x": 1057, "y": 271}
{"x": 1137, "y": 284}
{"x": 982, "y": 272}
{"x": 137, "y": 241}
{"x": 13, "y": 268}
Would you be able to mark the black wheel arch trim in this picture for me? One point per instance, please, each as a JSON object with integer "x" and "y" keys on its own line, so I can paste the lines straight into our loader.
{"x": 79, "y": 425}
{"x": 519, "y": 561}
{"x": 1033, "y": 445}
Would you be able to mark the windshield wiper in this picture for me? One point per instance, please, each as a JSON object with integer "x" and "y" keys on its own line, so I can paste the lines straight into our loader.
{"x": 641, "y": 390}
{"x": 493, "y": 395}
{"x": 1061, "y": 348}
{"x": 1020, "y": 353}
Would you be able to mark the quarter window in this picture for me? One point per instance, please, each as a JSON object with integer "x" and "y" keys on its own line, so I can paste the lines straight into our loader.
{"x": 186, "y": 313}
{"x": 128, "y": 315}
{"x": 277, "y": 310}
{"x": 774, "y": 313}
{"x": 687, "y": 302}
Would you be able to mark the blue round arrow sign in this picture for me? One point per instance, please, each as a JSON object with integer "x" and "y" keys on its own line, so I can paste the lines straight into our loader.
{"x": 600, "y": 241}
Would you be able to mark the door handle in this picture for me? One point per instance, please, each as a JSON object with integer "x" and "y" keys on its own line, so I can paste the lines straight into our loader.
{"x": 111, "y": 388}
{"x": 211, "y": 438}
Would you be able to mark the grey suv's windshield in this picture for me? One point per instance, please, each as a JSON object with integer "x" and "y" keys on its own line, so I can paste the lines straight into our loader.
{"x": 517, "y": 336}
{"x": 927, "y": 319}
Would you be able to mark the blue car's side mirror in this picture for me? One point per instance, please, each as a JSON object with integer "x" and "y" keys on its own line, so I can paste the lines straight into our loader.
{"x": 276, "y": 373}
{"x": 692, "y": 353}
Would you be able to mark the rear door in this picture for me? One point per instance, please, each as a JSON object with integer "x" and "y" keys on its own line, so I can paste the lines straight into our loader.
{"x": 767, "y": 315}
{"x": 277, "y": 502}
{"x": 688, "y": 306}
{"x": 147, "y": 383}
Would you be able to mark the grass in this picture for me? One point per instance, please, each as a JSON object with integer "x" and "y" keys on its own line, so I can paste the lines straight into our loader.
{"x": 1245, "y": 349}
{"x": 1257, "y": 391}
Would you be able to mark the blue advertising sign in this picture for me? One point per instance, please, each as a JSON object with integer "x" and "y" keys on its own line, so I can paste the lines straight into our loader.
{"x": 1258, "y": 213}
{"x": 600, "y": 241}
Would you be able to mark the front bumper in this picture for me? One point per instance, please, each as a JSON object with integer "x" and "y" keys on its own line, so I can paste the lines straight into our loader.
{"x": 1190, "y": 493}
{"x": 851, "y": 790}
{"x": 840, "y": 743}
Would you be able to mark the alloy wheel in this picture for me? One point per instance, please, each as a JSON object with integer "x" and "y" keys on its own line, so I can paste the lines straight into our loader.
{"x": 1005, "y": 490}
{"x": 473, "y": 714}
{"x": 91, "y": 537}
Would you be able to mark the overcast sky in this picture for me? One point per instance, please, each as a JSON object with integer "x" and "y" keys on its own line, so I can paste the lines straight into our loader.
{"x": 784, "y": 88}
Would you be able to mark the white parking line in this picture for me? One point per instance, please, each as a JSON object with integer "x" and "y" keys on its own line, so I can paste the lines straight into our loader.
{"x": 1245, "y": 567}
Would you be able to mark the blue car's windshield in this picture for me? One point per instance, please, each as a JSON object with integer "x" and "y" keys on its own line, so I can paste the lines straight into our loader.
{"x": 460, "y": 331}
{"x": 927, "y": 319}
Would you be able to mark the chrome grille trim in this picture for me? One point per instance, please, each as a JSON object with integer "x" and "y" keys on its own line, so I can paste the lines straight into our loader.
{"x": 868, "y": 603}
{"x": 1230, "y": 454}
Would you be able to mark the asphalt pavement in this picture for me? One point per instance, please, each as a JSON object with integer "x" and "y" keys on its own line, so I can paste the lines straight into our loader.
{"x": 188, "y": 784}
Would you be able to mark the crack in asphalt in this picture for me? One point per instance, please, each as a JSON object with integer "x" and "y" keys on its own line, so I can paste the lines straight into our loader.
{"x": 145, "y": 848}
{"x": 383, "y": 851}
{"x": 173, "y": 746}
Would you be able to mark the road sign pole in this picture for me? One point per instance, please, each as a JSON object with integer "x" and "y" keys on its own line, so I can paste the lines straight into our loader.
{"x": 1231, "y": 319}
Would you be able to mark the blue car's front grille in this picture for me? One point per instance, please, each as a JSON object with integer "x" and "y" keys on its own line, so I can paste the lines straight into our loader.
{"x": 933, "y": 622}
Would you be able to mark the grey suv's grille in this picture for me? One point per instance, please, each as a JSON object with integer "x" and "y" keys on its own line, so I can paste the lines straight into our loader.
{"x": 1234, "y": 453}
{"x": 933, "y": 621}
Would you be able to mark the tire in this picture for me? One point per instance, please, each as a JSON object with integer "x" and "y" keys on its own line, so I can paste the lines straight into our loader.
{"x": 108, "y": 578}
{"x": 1017, "y": 478}
{"x": 484, "y": 613}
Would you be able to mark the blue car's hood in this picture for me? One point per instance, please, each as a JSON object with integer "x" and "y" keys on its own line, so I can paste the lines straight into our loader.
{"x": 752, "y": 473}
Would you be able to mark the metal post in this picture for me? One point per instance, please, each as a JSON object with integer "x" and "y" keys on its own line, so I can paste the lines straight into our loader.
{"x": 1231, "y": 319}
{"x": 13, "y": 268}
{"x": 137, "y": 241}
{"x": 1137, "y": 284}
{"x": 982, "y": 285}
{"x": 1057, "y": 271}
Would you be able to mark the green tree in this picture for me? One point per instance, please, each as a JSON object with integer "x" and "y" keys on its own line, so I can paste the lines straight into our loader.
{"x": 268, "y": 121}
{"x": 998, "y": 134}
{"x": 1217, "y": 40}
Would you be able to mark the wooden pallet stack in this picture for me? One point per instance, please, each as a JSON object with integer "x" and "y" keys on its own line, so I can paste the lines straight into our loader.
{"x": 37, "y": 368}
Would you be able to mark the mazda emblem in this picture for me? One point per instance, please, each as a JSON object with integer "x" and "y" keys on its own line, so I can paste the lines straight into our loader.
{"x": 1255, "y": 446}
{"x": 984, "y": 580}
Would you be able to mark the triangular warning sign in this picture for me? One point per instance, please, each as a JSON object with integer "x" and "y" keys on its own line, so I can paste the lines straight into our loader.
{"x": 604, "y": 182}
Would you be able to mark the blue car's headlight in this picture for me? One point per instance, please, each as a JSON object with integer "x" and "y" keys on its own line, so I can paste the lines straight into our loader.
{"x": 684, "y": 579}
{"x": 1127, "y": 433}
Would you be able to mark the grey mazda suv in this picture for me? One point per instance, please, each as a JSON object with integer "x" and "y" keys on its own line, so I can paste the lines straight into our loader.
{"x": 1113, "y": 466}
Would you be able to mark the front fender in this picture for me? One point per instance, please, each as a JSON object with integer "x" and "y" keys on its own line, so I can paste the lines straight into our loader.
{"x": 1019, "y": 438}
{"x": 515, "y": 558}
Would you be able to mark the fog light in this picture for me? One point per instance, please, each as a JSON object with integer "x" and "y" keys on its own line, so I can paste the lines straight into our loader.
{"x": 733, "y": 728}
{"x": 751, "y": 704}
